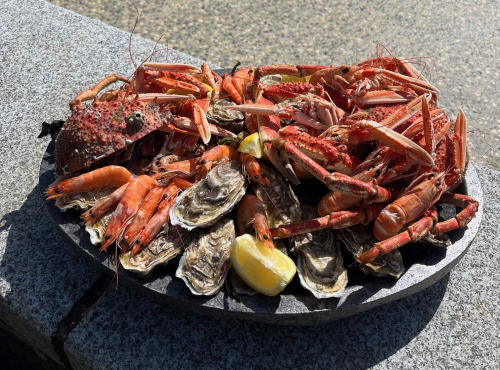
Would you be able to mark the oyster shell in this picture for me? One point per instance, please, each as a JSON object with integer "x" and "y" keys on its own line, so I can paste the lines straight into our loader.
{"x": 319, "y": 261}
{"x": 97, "y": 229}
{"x": 280, "y": 202}
{"x": 205, "y": 262}
{"x": 358, "y": 239}
{"x": 231, "y": 120}
{"x": 207, "y": 201}
{"x": 82, "y": 201}
{"x": 164, "y": 247}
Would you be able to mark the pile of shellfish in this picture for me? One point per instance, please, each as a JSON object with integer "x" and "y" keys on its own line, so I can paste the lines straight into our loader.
{"x": 334, "y": 166}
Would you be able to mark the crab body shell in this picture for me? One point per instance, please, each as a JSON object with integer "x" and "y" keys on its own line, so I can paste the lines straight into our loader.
{"x": 95, "y": 131}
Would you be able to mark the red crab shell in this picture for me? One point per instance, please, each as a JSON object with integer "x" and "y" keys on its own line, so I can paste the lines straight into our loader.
{"x": 97, "y": 130}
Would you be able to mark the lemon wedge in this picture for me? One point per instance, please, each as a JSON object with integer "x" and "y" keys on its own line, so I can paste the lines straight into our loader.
{"x": 290, "y": 78}
{"x": 268, "y": 271}
{"x": 251, "y": 145}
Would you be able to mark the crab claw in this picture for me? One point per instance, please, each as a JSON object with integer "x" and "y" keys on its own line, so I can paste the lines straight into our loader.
{"x": 281, "y": 112}
{"x": 164, "y": 98}
{"x": 397, "y": 142}
{"x": 171, "y": 67}
{"x": 200, "y": 119}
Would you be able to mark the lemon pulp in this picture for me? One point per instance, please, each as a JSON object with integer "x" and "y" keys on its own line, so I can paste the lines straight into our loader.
{"x": 251, "y": 145}
{"x": 268, "y": 271}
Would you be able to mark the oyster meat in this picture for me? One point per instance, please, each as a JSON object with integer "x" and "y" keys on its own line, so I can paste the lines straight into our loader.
{"x": 319, "y": 261}
{"x": 82, "y": 201}
{"x": 210, "y": 199}
{"x": 165, "y": 246}
{"x": 358, "y": 239}
{"x": 205, "y": 262}
{"x": 96, "y": 230}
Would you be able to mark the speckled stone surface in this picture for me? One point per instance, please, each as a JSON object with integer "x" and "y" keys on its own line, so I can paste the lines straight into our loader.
{"x": 460, "y": 39}
{"x": 48, "y": 55}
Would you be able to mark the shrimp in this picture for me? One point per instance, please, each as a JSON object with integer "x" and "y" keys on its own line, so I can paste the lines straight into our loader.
{"x": 251, "y": 211}
{"x": 143, "y": 215}
{"x": 126, "y": 209}
{"x": 253, "y": 169}
{"x": 104, "y": 206}
{"x": 109, "y": 176}
{"x": 217, "y": 155}
{"x": 159, "y": 219}
{"x": 185, "y": 168}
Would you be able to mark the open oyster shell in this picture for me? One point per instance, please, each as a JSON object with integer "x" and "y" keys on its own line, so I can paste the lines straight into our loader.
{"x": 319, "y": 261}
{"x": 358, "y": 239}
{"x": 280, "y": 202}
{"x": 97, "y": 229}
{"x": 82, "y": 201}
{"x": 231, "y": 120}
{"x": 164, "y": 247}
{"x": 207, "y": 201}
{"x": 205, "y": 262}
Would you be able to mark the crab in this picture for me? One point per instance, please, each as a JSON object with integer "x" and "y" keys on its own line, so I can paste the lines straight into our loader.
{"x": 120, "y": 117}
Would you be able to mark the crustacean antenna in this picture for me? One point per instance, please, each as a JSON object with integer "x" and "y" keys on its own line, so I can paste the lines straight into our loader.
{"x": 132, "y": 32}
{"x": 150, "y": 56}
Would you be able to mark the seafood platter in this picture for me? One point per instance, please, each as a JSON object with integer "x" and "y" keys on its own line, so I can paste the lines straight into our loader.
{"x": 287, "y": 194}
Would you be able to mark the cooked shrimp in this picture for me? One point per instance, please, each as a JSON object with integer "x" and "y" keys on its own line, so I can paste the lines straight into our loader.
{"x": 104, "y": 206}
{"x": 185, "y": 168}
{"x": 128, "y": 206}
{"x": 109, "y": 176}
{"x": 253, "y": 169}
{"x": 251, "y": 211}
{"x": 217, "y": 155}
{"x": 159, "y": 219}
{"x": 143, "y": 215}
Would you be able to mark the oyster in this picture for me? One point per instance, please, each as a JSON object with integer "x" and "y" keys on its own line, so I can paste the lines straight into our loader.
{"x": 280, "y": 202}
{"x": 231, "y": 120}
{"x": 205, "y": 262}
{"x": 164, "y": 247}
{"x": 207, "y": 201}
{"x": 82, "y": 201}
{"x": 97, "y": 229}
{"x": 358, "y": 239}
{"x": 319, "y": 261}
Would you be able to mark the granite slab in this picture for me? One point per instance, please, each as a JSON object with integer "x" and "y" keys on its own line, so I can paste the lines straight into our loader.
{"x": 51, "y": 297}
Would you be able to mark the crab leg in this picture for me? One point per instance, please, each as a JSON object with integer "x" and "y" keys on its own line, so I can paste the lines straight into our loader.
{"x": 396, "y": 142}
{"x": 422, "y": 227}
{"x": 281, "y": 112}
{"x": 414, "y": 233}
{"x": 93, "y": 91}
{"x": 171, "y": 67}
{"x": 190, "y": 127}
{"x": 335, "y": 220}
{"x": 334, "y": 181}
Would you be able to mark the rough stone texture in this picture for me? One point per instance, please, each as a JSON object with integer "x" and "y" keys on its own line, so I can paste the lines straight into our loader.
{"x": 458, "y": 38}
{"x": 48, "y": 55}
{"x": 451, "y": 324}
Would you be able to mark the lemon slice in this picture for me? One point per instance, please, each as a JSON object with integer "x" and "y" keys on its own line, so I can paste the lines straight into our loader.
{"x": 251, "y": 145}
{"x": 289, "y": 78}
{"x": 268, "y": 271}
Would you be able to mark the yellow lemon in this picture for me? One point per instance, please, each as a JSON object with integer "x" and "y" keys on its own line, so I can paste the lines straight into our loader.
{"x": 289, "y": 78}
{"x": 266, "y": 270}
{"x": 251, "y": 145}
